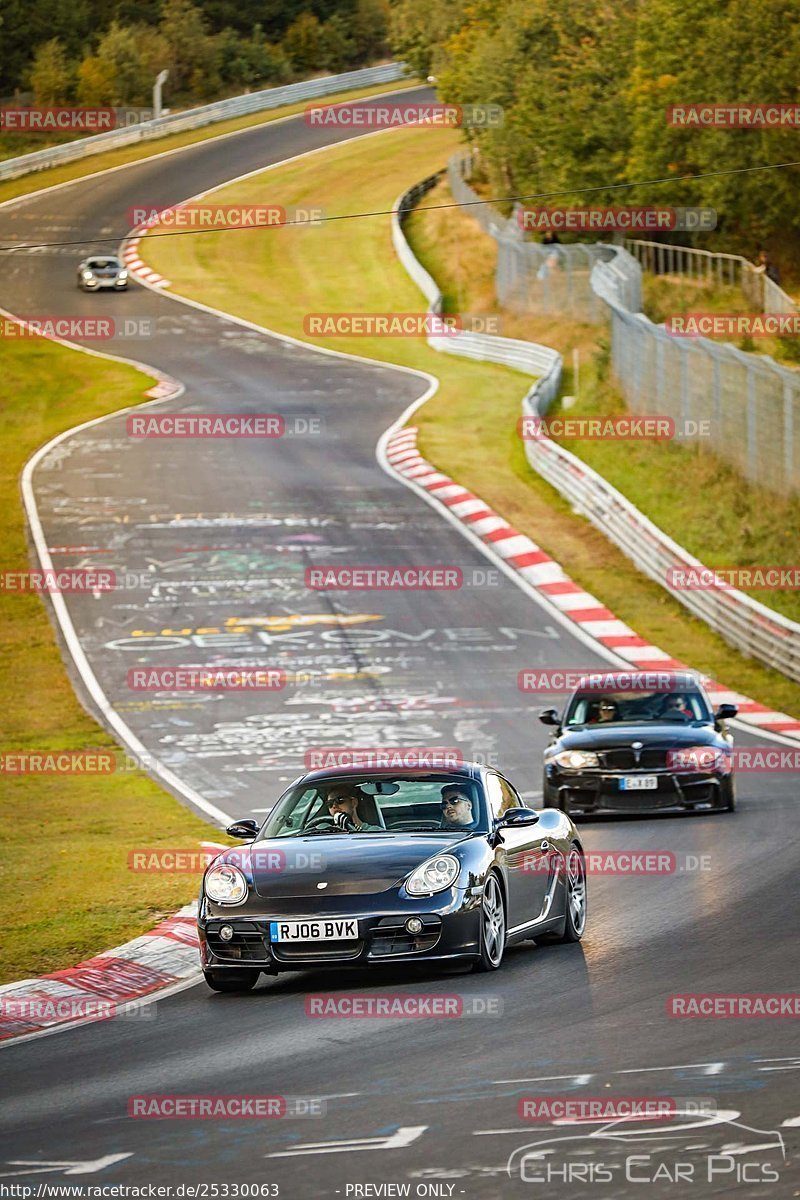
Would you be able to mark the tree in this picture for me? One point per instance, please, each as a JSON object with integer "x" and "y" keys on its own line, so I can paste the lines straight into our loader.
{"x": 337, "y": 49}
{"x": 191, "y": 53}
{"x": 302, "y": 44}
{"x": 369, "y": 29}
{"x": 123, "y": 68}
{"x": 51, "y": 74}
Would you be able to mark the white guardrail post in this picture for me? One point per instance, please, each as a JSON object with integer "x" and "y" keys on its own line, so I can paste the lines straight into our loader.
{"x": 751, "y": 627}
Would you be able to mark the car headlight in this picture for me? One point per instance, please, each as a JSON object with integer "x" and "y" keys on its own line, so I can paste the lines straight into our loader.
{"x": 87, "y": 275}
{"x": 122, "y": 275}
{"x": 577, "y": 759}
{"x": 225, "y": 884}
{"x": 434, "y": 875}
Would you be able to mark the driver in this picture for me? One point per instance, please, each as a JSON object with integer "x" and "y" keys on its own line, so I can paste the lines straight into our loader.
{"x": 606, "y": 711}
{"x": 342, "y": 801}
{"x": 456, "y": 807}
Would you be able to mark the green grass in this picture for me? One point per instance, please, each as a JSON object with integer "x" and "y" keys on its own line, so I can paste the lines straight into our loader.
{"x": 133, "y": 153}
{"x": 469, "y": 426}
{"x": 670, "y": 295}
{"x": 65, "y": 839}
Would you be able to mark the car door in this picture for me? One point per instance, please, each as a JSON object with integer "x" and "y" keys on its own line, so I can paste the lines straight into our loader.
{"x": 526, "y": 854}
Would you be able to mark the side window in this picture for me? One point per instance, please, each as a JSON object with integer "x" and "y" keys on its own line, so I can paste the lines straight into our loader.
{"x": 494, "y": 794}
{"x": 510, "y": 796}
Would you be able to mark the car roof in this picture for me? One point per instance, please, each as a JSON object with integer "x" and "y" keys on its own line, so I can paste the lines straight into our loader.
{"x": 102, "y": 258}
{"x": 612, "y": 678}
{"x": 467, "y": 770}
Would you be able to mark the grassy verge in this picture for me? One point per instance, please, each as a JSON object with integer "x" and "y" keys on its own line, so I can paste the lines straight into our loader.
{"x": 65, "y": 839}
{"x": 126, "y": 154}
{"x": 469, "y": 426}
{"x": 695, "y": 497}
{"x": 673, "y": 295}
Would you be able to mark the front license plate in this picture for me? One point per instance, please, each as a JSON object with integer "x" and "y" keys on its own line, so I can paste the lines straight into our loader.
{"x": 313, "y": 931}
{"x": 638, "y": 783}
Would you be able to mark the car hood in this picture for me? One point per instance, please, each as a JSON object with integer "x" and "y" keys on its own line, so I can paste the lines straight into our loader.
{"x": 350, "y": 864}
{"x": 651, "y": 733}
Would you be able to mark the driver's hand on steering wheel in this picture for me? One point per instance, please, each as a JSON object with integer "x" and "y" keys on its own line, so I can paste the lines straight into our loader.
{"x": 342, "y": 821}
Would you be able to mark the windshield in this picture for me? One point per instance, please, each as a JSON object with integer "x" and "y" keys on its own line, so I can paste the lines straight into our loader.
{"x": 619, "y": 708}
{"x": 365, "y": 804}
{"x": 103, "y": 263}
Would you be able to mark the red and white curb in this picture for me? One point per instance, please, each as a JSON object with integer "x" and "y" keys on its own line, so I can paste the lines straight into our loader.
{"x": 102, "y": 988}
{"x": 538, "y": 569}
{"x": 111, "y": 984}
{"x": 137, "y": 268}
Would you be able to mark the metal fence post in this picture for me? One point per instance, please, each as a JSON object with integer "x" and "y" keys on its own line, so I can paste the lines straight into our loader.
{"x": 752, "y": 425}
{"x": 788, "y": 435}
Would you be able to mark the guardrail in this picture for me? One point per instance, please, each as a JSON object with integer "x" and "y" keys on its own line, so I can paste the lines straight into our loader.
{"x": 746, "y": 405}
{"x": 733, "y": 269}
{"x": 528, "y": 357}
{"x": 751, "y": 627}
{"x": 195, "y": 118}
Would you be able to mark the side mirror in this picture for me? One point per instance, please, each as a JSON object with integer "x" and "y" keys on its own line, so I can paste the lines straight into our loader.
{"x": 513, "y": 818}
{"x": 549, "y": 716}
{"x": 726, "y": 712}
{"x": 243, "y": 829}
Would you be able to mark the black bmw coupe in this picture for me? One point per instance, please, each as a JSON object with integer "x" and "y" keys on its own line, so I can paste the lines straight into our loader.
{"x": 361, "y": 868}
{"x": 639, "y": 742}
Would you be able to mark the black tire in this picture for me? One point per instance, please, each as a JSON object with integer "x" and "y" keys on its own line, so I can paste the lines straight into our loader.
{"x": 231, "y": 981}
{"x": 492, "y": 935}
{"x": 728, "y": 795}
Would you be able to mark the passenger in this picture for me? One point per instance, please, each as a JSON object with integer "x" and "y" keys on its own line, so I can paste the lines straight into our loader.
{"x": 678, "y": 706}
{"x": 456, "y": 807}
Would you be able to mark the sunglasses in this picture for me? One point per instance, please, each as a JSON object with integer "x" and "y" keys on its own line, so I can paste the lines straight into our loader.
{"x": 455, "y": 800}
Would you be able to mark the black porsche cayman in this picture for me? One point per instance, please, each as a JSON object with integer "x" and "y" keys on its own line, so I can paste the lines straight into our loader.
{"x": 639, "y": 741}
{"x": 359, "y": 868}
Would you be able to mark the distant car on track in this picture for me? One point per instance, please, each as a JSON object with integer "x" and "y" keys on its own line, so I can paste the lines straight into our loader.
{"x": 639, "y": 742}
{"x": 356, "y": 868}
{"x": 102, "y": 273}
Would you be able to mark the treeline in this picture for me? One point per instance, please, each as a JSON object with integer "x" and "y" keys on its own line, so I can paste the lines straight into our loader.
{"x": 585, "y": 85}
{"x": 93, "y": 53}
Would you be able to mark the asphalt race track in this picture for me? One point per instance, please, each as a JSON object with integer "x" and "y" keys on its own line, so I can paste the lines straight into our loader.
{"x": 217, "y": 536}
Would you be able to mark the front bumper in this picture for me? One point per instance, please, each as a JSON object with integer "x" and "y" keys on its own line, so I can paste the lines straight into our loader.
{"x": 450, "y": 931}
{"x": 106, "y": 285}
{"x": 599, "y": 791}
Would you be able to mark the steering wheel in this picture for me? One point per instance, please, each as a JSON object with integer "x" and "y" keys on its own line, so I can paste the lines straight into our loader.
{"x": 325, "y": 822}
